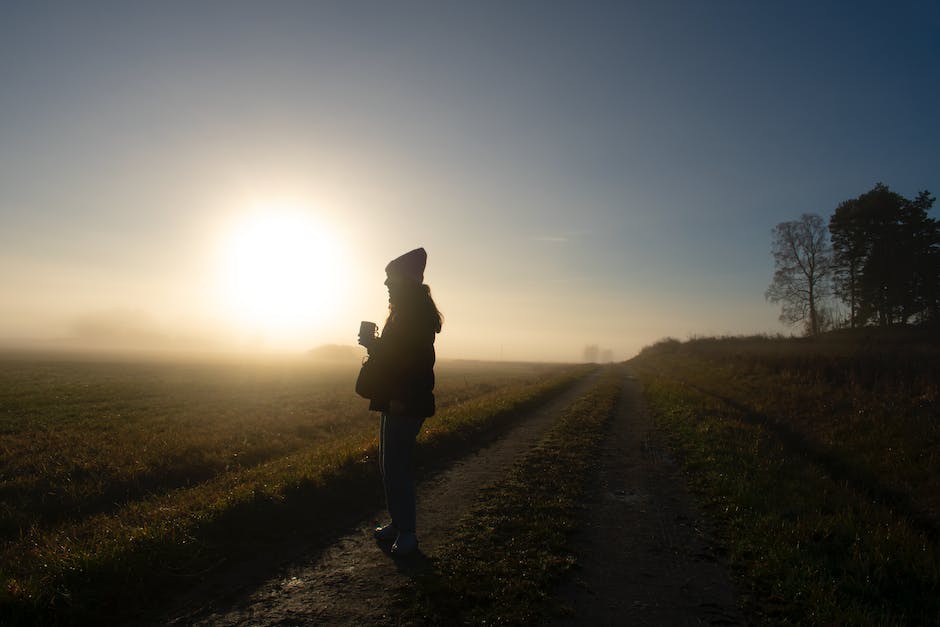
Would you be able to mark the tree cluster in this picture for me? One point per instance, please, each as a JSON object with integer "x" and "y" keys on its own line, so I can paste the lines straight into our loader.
{"x": 879, "y": 258}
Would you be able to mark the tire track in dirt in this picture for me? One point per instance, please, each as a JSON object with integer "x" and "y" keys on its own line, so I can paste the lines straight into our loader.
{"x": 644, "y": 551}
{"x": 352, "y": 581}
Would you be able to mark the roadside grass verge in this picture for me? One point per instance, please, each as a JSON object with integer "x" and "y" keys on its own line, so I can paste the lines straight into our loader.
{"x": 505, "y": 554}
{"x": 818, "y": 467}
{"x": 114, "y": 565}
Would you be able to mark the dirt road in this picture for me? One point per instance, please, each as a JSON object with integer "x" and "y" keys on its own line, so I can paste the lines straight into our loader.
{"x": 645, "y": 557}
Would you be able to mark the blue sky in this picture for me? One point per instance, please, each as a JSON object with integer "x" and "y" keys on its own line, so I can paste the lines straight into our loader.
{"x": 579, "y": 172}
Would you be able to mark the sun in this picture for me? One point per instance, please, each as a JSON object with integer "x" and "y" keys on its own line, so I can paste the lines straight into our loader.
{"x": 280, "y": 272}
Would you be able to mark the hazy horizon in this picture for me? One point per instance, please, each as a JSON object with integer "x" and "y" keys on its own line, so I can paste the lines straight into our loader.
{"x": 235, "y": 176}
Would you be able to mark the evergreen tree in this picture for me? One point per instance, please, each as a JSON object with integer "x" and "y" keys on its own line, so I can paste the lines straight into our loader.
{"x": 885, "y": 250}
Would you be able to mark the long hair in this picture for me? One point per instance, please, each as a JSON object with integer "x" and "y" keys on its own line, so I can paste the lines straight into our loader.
{"x": 415, "y": 302}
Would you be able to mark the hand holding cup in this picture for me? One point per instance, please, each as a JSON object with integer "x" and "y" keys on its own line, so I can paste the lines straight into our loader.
{"x": 367, "y": 333}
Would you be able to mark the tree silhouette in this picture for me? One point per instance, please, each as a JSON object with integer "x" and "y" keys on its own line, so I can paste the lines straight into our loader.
{"x": 850, "y": 249}
{"x": 886, "y": 257}
{"x": 924, "y": 240}
{"x": 802, "y": 257}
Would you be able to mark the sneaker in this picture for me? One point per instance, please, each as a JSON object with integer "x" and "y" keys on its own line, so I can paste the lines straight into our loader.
{"x": 388, "y": 533}
{"x": 406, "y": 543}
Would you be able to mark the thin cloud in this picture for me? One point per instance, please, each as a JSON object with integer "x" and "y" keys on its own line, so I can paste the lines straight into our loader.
{"x": 560, "y": 238}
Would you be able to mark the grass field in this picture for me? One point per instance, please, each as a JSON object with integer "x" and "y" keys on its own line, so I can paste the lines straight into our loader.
{"x": 123, "y": 475}
{"x": 818, "y": 462}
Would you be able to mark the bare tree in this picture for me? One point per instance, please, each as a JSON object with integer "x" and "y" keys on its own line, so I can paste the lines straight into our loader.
{"x": 803, "y": 259}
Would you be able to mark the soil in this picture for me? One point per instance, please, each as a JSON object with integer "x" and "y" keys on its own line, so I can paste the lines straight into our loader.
{"x": 644, "y": 554}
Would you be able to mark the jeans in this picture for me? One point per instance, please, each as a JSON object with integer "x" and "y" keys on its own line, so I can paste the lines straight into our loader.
{"x": 396, "y": 455}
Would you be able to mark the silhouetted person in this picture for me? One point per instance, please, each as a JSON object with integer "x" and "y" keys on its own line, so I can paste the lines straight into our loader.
{"x": 404, "y": 360}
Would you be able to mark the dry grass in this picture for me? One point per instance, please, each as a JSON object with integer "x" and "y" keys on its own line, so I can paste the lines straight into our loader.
{"x": 138, "y": 475}
{"x": 818, "y": 460}
{"x": 507, "y": 552}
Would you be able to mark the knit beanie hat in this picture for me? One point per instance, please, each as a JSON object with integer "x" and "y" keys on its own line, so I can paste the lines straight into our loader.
{"x": 409, "y": 266}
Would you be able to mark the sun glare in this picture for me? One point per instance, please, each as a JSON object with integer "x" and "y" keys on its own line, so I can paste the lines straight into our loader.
{"x": 280, "y": 273}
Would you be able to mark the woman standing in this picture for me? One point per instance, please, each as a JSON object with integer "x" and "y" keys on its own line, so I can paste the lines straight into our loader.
{"x": 403, "y": 358}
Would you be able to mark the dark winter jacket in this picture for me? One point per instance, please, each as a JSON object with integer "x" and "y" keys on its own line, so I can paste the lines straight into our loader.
{"x": 404, "y": 357}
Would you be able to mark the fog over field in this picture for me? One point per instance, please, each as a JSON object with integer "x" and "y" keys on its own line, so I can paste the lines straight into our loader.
{"x": 235, "y": 176}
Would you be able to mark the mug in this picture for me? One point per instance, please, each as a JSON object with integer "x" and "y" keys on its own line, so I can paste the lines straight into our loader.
{"x": 367, "y": 330}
